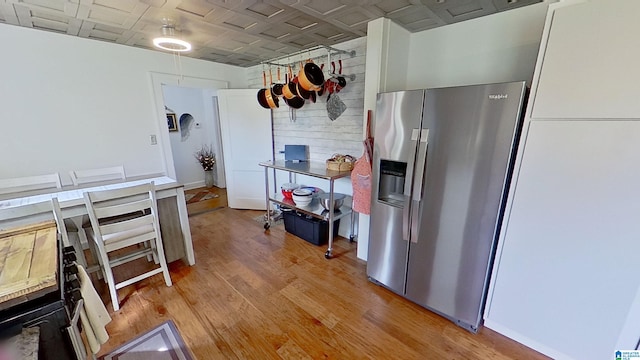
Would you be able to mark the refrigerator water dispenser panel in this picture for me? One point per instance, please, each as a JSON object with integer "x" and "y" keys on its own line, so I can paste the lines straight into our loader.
{"x": 391, "y": 186}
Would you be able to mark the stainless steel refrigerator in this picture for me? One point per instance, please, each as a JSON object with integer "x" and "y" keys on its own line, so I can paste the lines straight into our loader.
{"x": 442, "y": 165}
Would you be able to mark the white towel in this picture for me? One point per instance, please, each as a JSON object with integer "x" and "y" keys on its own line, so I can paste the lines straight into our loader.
{"x": 94, "y": 316}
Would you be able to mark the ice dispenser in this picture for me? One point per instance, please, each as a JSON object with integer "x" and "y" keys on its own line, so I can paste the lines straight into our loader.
{"x": 391, "y": 186}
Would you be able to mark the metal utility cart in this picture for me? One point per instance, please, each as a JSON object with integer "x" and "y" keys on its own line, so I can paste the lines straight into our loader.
{"x": 315, "y": 209}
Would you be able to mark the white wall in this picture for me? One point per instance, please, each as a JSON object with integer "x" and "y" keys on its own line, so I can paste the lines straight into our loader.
{"x": 184, "y": 100}
{"x": 74, "y": 103}
{"x": 497, "y": 48}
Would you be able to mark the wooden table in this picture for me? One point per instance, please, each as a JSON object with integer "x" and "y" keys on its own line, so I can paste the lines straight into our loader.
{"x": 28, "y": 263}
{"x": 173, "y": 217}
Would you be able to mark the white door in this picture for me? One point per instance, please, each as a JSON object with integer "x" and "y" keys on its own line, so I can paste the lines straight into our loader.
{"x": 246, "y": 141}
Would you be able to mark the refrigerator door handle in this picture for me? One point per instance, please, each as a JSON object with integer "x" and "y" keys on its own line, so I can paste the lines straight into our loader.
{"x": 418, "y": 185}
{"x": 408, "y": 186}
{"x": 420, "y": 168}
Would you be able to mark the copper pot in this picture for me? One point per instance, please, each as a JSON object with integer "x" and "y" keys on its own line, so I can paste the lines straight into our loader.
{"x": 311, "y": 77}
{"x": 267, "y": 100}
{"x": 289, "y": 90}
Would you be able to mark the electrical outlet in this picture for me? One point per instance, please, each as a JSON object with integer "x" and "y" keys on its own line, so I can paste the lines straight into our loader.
{"x": 154, "y": 140}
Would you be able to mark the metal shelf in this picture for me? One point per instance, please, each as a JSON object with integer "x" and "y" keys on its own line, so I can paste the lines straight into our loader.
{"x": 311, "y": 168}
{"x": 315, "y": 169}
{"x": 314, "y": 209}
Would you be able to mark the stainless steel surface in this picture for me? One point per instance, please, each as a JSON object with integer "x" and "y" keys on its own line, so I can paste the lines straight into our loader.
{"x": 456, "y": 201}
{"x": 338, "y": 201}
{"x": 311, "y": 168}
{"x": 314, "y": 209}
{"x": 397, "y": 114}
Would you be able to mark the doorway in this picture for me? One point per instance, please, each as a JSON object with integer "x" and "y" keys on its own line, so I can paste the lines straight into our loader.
{"x": 193, "y": 126}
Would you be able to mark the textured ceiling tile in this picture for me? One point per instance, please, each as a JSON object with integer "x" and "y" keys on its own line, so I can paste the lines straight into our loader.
{"x": 302, "y": 22}
{"x": 276, "y": 32}
{"x": 302, "y": 42}
{"x": 232, "y": 4}
{"x": 265, "y": 10}
{"x": 56, "y": 26}
{"x": 120, "y": 5}
{"x": 197, "y": 8}
{"x": 42, "y": 15}
{"x": 238, "y": 21}
{"x": 103, "y": 35}
{"x": 353, "y": 18}
{"x": 241, "y": 32}
{"x": 154, "y": 3}
{"x": 329, "y": 32}
{"x": 323, "y": 7}
{"x": 391, "y": 6}
{"x": 46, "y": 4}
{"x": 503, "y": 5}
{"x": 458, "y": 10}
{"x": 107, "y": 28}
{"x": 416, "y": 17}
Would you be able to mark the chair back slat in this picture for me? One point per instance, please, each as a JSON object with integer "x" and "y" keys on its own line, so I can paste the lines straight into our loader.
{"x": 29, "y": 183}
{"x": 80, "y": 177}
{"x": 122, "y": 209}
{"x": 126, "y": 225}
{"x": 121, "y": 193}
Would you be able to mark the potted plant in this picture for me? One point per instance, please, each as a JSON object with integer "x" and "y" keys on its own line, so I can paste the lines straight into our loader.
{"x": 207, "y": 160}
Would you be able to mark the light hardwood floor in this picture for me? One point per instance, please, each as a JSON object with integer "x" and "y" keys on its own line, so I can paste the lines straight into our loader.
{"x": 257, "y": 295}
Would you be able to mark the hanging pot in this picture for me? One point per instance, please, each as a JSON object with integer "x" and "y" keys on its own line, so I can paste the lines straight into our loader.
{"x": 295, "y": 102}
{"x": 262, "y": 100}
{"x": 311, "y": 77}
{"x": 305, "y": 94}
{"x": 289, "y": 90}
{"x": 272, "y": 100}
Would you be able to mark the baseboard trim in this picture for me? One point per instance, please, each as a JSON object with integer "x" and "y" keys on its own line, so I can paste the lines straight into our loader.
{"x": 526, "y": 341}
{"x": 194, "y": 185}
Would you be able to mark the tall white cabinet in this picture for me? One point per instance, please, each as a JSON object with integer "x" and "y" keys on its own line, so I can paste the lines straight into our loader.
{"x": 567, "y": 279}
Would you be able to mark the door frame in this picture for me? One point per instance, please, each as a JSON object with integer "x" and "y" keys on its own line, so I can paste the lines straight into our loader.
{"x": 157, "y": 80}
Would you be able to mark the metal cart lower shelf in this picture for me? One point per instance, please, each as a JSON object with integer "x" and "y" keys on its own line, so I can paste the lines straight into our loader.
{"x": 315, "y": 209}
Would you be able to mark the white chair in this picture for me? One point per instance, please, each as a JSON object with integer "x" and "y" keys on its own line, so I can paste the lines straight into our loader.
{"x": 84, "y": 177}
{"x": 121, "y": 218}
{"x": 30, "y": 183}
{"x": 80, "y": 177}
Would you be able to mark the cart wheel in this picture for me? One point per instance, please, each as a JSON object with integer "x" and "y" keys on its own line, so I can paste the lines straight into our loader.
{"x": 352, "y": 238}
{"x": 266, "y": 226}
{"x": 327, "y": 255}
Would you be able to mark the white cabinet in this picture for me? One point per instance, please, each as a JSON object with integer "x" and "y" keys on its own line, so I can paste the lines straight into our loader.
{"x": 591, "y": 66}
{"x": 568, "y": 267}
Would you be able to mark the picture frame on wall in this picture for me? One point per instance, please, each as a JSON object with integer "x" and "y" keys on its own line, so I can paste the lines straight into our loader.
{"x": 172, "y": 123}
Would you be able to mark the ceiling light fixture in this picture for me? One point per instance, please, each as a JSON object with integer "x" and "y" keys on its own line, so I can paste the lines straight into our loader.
{"x": 168, "y": 40}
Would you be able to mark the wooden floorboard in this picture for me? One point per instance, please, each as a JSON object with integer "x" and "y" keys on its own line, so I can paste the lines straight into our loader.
{"x": 257, "y": 295}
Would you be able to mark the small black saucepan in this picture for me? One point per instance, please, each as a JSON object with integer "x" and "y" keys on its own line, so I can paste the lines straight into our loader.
{"x": 295, "y": 102}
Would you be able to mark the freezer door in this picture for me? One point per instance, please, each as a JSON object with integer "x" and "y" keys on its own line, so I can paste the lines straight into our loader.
{"x": 471, "y": 135}
{"x": 397, "y": 118}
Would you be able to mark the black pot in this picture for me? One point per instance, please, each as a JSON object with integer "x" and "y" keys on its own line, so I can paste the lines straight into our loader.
{"x": 295, "y": 102}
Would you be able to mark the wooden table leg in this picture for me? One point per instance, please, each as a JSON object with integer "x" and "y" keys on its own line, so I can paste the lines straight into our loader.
{"x": 184, "y": 225}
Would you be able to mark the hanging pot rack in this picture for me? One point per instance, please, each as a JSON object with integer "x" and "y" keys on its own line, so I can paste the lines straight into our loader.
{"x": 331, "y": 51}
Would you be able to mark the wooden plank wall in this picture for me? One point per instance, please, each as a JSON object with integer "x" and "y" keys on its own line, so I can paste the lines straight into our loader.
{"x": 312, "y": 126}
